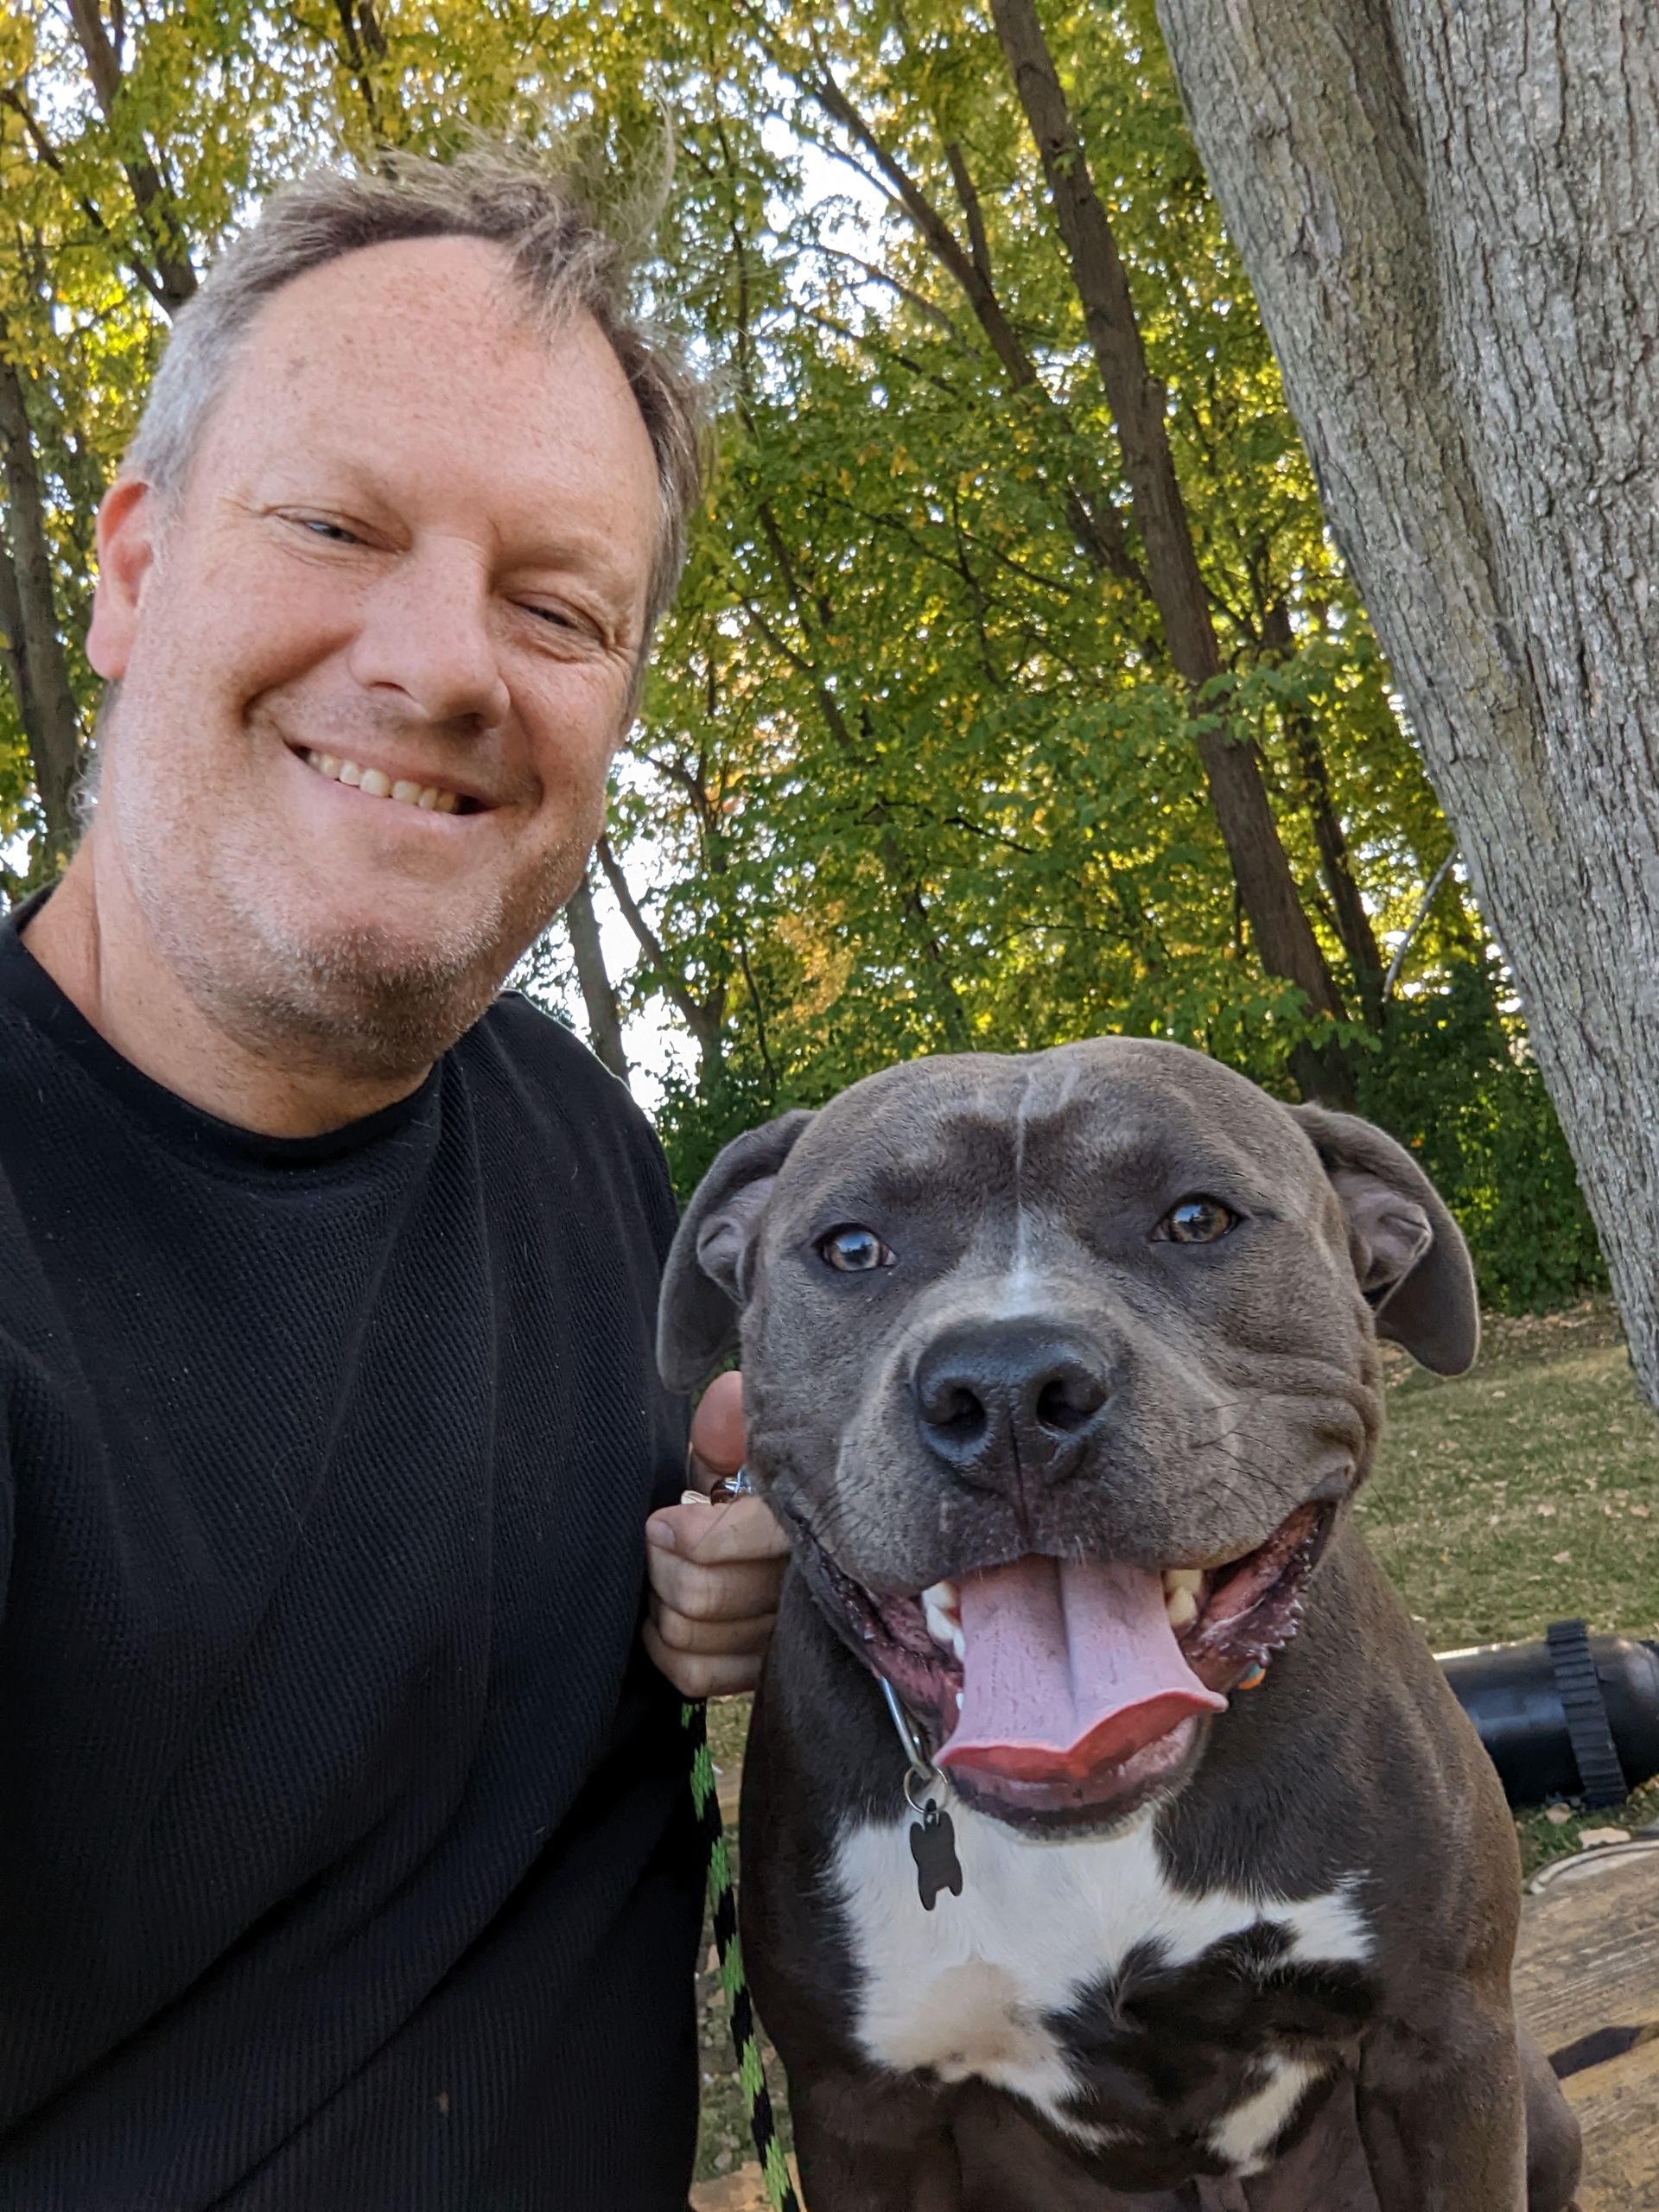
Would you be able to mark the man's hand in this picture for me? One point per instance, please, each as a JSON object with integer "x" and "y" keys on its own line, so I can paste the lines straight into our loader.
{"x": 715, "y": 1570}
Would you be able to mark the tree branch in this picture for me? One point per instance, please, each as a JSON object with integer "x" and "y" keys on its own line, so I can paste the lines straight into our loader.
{"x": 11, "y": 97}
{"x": 157, "y": 212}
{"x": 1417, "y": 921}
{"x": 696, "y": 1018}
{"x": 973, "y": 213}
{"x": 1094, "y": 522}
{"x": 604, "y": 1015}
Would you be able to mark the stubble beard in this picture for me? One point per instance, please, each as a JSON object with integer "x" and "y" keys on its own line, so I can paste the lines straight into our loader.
{"x": 359, "y": 1004}
{"x": 363, "y": 1004}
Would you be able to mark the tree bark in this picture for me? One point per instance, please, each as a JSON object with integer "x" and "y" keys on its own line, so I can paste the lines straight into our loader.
{"x": 604, "y": 1015}
{"x": 1284, "y": 937}
{"x": 1450, "y": 216}
{"x": 34, "y": 651}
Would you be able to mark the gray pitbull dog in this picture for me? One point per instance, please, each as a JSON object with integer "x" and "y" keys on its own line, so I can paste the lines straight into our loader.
{"x": 1062, "y": 1373}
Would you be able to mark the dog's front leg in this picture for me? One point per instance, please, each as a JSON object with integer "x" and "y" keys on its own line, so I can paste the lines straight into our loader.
{"x": 1444, "y": 2128}
{"x": 867, "y": 2146}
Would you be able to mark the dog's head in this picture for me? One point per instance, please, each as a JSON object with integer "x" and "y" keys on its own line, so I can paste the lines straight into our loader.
{"x": 1058, "y": 1370}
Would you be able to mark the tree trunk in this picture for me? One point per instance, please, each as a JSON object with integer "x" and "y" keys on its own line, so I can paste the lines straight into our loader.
{"x": 1284, "y": 937}
{"x": 34, "y": 652}
{"x": 604, "y": 1015}
{"x": 1450, "y": 216}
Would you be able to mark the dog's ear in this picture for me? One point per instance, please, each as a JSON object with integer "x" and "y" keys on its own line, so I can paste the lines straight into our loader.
{"x": 1408, "y": 1254}
{"x": 706, "y": 1282}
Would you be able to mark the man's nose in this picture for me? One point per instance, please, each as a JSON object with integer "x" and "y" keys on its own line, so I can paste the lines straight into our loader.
{"x": 1005, "y": 1403}
{"x": 428, "y": 631}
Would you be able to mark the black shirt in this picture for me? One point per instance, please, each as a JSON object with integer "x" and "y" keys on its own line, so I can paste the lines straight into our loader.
{"x": 346, "y": 1863}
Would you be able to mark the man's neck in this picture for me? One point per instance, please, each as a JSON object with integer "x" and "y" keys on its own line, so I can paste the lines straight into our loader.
{"x": 93, "y": 943}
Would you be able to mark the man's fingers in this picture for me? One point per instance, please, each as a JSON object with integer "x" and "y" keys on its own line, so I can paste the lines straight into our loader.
{"x": 694, "y": 1676}
{"x": 715, "y": 1534}
{"x": 732, "y": 1592}
{"x": 715, "y": 1573}
{"x": 717, "y": 1432}
{"x": 712, "y": 1639}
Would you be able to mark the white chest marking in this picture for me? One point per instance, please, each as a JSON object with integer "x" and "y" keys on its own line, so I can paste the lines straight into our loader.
{"x": 966, "y": 1990}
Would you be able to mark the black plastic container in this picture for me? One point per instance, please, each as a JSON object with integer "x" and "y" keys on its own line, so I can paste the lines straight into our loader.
{"x": 1576, "y": 1716}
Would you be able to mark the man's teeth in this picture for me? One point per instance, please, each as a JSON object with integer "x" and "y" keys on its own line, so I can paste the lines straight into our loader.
{"x": 942, "y": 1610}
{"x": 1182, "y": 1595}
{"x": 431, "y": 797}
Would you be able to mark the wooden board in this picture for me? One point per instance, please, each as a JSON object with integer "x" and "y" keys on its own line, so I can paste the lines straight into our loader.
{"x": 1587, "y": 1975}
{"x": 1586, "y": 1983}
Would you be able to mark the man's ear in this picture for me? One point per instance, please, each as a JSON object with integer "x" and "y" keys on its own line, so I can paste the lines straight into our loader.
{"x": 706, "y": 1282}
{"x": 127, "y": 528}
{"x": 1408, "y": 1252}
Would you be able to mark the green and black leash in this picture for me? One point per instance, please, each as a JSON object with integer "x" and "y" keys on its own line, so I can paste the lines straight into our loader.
{"x": 723, "y": 1910}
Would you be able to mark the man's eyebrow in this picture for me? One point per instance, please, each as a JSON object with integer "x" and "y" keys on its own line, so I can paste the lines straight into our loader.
{"x": 563, "y": 550}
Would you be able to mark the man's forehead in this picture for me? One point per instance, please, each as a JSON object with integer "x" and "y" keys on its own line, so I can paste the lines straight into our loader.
{"x": 430, "y": 322}
{"x": 355, "y": 298}
{"x": 365, "y": 366}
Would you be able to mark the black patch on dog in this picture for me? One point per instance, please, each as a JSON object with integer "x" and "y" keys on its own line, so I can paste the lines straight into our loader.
{"x": 1166, "y": 2052}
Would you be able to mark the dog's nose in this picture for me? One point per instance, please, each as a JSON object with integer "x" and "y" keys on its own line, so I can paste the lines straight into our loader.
{"x": 1000, "y": 1400}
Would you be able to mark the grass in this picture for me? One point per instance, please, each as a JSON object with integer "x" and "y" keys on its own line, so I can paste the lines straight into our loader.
{"x": 1524, "y": 1493}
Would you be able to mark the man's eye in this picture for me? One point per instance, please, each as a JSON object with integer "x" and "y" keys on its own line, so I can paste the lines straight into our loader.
{"x": 1197, "y": 1220}
{"x": 335, "y": 532}
{"x": 854, "y": 1251}
{"x": 562, "y": 621}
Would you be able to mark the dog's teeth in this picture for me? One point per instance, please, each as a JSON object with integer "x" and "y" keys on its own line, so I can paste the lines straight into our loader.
{"x": 1182, "y": 1608}
{"x": 958, "y": 1701}
{"x": 1182, "y": 1595}
{"x": 942, "y": 1611}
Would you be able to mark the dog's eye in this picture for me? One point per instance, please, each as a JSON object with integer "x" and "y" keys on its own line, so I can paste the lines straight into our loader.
{"x": 854, "y": 1250}
{"x": 1197, "y": 1220}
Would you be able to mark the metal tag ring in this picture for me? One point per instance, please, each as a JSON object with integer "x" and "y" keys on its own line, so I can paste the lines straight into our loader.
{"x": 926, "y": 1780}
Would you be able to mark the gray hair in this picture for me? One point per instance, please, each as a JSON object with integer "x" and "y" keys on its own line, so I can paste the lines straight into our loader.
{"x": 564, "y": 257}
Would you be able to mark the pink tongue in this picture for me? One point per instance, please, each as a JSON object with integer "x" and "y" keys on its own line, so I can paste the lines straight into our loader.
{"x": 1067, "y": 1668}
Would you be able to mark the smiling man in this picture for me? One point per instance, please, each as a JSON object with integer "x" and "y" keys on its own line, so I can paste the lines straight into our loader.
{"x": 344, "y": 1862}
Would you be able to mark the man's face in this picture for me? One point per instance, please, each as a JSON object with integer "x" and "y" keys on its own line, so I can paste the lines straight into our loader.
{"x": 415, "y": 544}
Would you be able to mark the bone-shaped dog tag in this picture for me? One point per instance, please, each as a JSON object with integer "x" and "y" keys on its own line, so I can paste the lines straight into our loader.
{"x": 933, "y": 1846}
